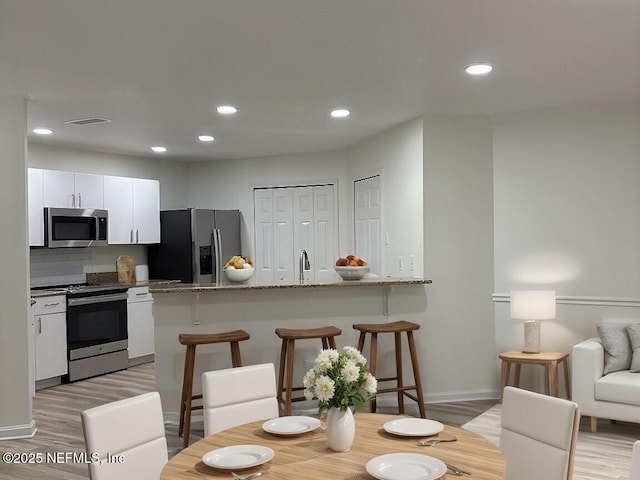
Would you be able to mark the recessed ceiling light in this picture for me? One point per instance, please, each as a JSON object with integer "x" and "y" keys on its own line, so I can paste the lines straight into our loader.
{"x": 478, "y": 68}
{"x": 159, "y": 149}
{"x": 226, "y": 109}
{"x": 42, "y": 131}
{"x": 205, "y": 138}
{"x": 340, "y": 113}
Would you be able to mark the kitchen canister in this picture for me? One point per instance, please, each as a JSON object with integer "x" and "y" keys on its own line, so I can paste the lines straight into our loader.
{"x": 142, "y": 273}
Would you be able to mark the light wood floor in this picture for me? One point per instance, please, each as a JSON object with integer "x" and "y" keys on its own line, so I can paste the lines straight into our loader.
{"x": 57, "y": 416}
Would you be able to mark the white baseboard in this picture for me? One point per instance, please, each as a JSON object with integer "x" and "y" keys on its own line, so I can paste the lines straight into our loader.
{"x": 391, "y": 399}
{"x": 13, "y": 432}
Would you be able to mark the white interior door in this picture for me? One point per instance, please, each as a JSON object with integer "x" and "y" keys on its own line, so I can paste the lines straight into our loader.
{"x": 326, "y": 246}
{"x": 303, "y": 230}
{"x": 264, "y": 228}
{"x": 283, "y": 241}
{"x": 368, "y": 222}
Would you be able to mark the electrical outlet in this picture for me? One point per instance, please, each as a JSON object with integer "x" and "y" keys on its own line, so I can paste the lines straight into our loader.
{"x": 400, "y": 263}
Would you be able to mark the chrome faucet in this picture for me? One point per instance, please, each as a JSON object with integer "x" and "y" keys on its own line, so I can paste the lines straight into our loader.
{"x": 304, "y": 264}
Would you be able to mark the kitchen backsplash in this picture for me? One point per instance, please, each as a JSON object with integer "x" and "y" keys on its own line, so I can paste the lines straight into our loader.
{"x": 68, "y": 266}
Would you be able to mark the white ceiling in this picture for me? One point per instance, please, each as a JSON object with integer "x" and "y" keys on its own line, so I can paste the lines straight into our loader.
{"x": 157, "y": 68}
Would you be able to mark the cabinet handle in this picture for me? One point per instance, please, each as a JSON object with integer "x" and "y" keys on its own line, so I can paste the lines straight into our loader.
{"x": 137, "y": 236}
{"x": 73, "y": 200}
{"x": 79, "y": 201}
{"x": 141, "y": 294}
{"x": 130, "y": 236}
{"x": 39, "y": 325}
{"x": 51, "y": 304}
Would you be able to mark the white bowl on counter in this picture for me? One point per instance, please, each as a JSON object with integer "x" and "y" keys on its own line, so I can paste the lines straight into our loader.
{"x": 351, "y": 273}
{"x": 238, "y": 274}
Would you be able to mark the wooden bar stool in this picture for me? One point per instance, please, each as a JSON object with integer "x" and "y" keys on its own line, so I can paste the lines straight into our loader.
{"x": 191, "y": 341}
{"x": 289, "y": 336}
{"x": 397, "y": 328}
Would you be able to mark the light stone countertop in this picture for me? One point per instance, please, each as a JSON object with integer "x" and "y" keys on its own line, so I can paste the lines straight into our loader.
{"x": 213, "y": 287}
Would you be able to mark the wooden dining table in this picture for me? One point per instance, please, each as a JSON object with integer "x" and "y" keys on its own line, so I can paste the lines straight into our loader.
{"x": 306, "y": 456}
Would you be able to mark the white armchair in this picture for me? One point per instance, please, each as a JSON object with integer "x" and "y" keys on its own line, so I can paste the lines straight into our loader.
{"x": 615, "y": 396}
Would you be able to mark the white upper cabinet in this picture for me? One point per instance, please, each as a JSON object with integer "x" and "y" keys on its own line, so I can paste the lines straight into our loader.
{"x": 133, "y": 203}
{"x": 134, "y": 210}
{"x": 72, "y": 190}
{"x": 146, "y": 210}
{"x": 36, "y": 207}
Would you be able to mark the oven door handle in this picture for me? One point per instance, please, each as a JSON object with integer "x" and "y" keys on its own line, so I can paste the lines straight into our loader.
{"x": 114, "y": 297}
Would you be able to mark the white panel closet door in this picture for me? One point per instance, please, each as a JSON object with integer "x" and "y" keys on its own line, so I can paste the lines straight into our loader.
{"x": 264, "y": 228}
{"x": 283, "y": 242}
{"x": 368, "y": 222}
{"x": 303, "y": 230}
{"x": 326, "y": 250}
{"x": 289, "y": 220}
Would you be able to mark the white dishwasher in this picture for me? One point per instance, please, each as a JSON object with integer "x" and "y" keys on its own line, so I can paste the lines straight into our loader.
{"x": 140, "y": 325}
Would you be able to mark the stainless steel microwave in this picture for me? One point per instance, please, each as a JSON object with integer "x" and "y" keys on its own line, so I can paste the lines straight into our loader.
{"x": 75, "y": 227}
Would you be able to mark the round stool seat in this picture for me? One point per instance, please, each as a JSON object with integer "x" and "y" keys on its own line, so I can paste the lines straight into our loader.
{"x": 391, "y": 327}
{"x": 210, "y": 338}
{"x": 306, "y": 333}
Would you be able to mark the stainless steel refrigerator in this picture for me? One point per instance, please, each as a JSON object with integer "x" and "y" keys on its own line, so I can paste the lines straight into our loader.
{"x": 194, "y": 245}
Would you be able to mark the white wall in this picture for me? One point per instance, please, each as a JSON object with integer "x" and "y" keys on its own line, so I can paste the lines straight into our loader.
{"x": 567, "y": 196}
{"x": 397, "y": 155}
{"x": 15, "y": 332}
{"x": 458, "y": 249}
{"x": 229, "y": 184}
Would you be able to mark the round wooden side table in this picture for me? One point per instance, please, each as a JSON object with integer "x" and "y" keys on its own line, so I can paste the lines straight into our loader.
{"x": 550, "y": 360}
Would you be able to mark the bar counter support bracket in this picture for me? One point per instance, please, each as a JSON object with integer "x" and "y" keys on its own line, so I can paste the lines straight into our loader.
{"x": 196, "y": 310}
{"x": 385, "y": 299}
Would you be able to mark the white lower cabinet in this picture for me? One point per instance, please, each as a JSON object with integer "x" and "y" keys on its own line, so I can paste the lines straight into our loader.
{"x": 140, "y": 325}
{"x": 50, "y": 336}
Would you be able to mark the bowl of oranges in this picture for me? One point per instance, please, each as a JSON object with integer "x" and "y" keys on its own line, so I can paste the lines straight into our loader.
{"x": 238, "y": 269}
{"x": 351, "y": 267}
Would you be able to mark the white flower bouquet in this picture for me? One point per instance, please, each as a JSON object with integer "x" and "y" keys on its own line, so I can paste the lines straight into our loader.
{"x": 340, "y": 380}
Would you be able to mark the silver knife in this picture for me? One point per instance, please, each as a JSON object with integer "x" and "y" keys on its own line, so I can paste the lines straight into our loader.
{"x": 457, "y": 471}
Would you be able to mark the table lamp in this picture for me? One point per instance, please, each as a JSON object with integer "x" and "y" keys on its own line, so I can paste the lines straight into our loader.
{"x": 532, "y": 306}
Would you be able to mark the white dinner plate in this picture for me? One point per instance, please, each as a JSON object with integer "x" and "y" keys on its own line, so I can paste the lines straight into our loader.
{"x": 406, "y": 466}
{"x": 413, "y": 427}
{"x": 238, "y": 456}
{"x": 291, "y": 425}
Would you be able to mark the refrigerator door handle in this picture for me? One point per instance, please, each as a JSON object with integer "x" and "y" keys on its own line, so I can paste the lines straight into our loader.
{"x": 217, "y": 254}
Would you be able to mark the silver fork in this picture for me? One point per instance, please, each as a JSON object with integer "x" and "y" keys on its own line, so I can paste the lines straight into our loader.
{"x": 248, "y": 477}
{"x": 430, "y": 442}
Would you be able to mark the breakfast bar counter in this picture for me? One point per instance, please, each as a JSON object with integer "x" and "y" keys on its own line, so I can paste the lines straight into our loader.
{"x": 261, "y": 308}
{"x": 214, "y": 287}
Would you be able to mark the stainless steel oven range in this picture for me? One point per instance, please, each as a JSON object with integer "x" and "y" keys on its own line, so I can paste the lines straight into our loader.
{"x": 97, "y": 338}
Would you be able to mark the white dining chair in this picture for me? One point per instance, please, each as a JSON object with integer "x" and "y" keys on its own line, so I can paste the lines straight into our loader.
{"x": 634, "y": 473}
{"x": 131, "y": 430}
{"x": 538, "y": 435}
{"x": 235, "y": 396}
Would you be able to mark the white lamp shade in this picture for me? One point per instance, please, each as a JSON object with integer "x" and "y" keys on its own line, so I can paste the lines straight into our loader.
{"x": 533, "y": 304}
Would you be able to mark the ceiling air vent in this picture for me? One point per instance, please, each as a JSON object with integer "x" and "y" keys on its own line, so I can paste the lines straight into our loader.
{"x": 89, "y": 121}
